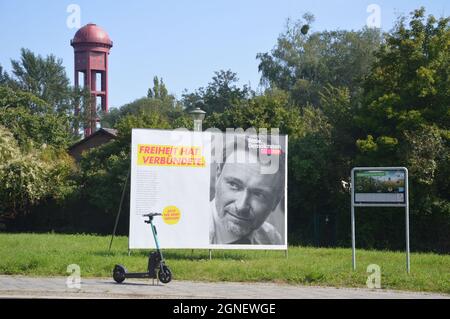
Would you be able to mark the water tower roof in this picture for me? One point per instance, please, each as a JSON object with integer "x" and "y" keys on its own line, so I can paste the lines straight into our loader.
{"x": 91, "y": 33}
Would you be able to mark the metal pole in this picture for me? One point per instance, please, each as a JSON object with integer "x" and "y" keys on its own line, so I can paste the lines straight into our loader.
{"x": 120, "y": 208}
{"x": 352, "y": 198}
{"x": 408, "y": 260}
{"x": 353, "y": 239}
{"x": 210, "y": 254}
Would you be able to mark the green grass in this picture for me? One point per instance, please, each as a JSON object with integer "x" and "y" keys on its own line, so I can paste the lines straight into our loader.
{"x": 50, "y": 254}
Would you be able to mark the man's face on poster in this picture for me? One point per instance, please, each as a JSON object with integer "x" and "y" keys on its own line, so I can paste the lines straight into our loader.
{"x": 244, "y": 196}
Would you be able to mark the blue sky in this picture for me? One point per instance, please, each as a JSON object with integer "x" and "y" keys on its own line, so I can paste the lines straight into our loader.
{"x": 183, "y": 42}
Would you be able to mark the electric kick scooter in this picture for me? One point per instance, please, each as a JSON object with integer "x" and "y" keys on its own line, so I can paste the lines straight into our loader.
{"x": 155, "y": 262}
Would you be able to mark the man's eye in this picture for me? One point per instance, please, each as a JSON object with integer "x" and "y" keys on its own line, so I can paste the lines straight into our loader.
{"x": 260, "y": 195}
{"x": 233, "y": 185}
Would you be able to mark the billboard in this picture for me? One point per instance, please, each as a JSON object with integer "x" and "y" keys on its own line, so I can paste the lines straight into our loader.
{"x": 379, "y": 186}
{"x": 214, "y": 190}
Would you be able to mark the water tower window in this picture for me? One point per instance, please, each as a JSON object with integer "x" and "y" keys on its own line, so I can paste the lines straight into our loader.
{"x": 80, "y": 76}
{"x": 98, "y": 81}
{"x": 98, "y": 102}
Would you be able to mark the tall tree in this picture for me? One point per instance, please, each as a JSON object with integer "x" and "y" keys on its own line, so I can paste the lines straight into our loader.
{"x": 44, "y": 77}
{"x": 4, "y": 77}
{"x": 408, "y": 89}
{"x": 405, "y": 118}
{"x": 159, "y": 90}
{"x": 26, "y": 116}
{"x": 158, "y": 100}
{"x": 303, "y": 63}
{"x": 220, "y": 94}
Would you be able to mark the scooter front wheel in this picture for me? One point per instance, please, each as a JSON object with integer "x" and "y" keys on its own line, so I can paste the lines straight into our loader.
{"x": 164, "y": 274}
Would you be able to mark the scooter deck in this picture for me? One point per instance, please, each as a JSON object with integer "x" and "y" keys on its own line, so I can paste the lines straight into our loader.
{"x": 139, "y": 275}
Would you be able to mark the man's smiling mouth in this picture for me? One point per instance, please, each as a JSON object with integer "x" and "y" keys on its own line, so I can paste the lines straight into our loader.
{"x": 239, "y": 217}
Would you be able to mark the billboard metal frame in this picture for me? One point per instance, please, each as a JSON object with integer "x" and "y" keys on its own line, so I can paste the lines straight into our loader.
{"x": 386, "y": 204}
{"x": 210, "y": 246}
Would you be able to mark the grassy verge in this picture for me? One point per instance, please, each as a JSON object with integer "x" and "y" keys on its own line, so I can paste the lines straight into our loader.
{"x": 50, "y": 254}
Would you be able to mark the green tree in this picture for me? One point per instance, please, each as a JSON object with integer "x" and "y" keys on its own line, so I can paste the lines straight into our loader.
{"x": 4, "y": 77}
{"x": 221, "y": 93}
{"x": 159, "y": 90}
{"x": 271, "y": 110}
{"x": 43, "y": 77}
{"x": 9, "y": 148}
{"x": 81, "y": 101}
{"x": 157, "y": 101}
{"x": 405, "y": 116}
{"x": 30, "y": 176}
{"x": 407, "y": 91}
{"x": 144, "y": 106}
{"x": 26, "y": 117}
{"x": 304, "y": 63}
{"x": 12, "y": 98}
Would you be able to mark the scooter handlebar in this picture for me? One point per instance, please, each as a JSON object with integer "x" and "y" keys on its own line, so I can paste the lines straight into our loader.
{"x": 152, "y": 214}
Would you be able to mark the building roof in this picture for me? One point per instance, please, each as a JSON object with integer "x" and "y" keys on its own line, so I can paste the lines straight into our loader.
{"x": 91, "y": 34}
{"x": 108, "y": 131}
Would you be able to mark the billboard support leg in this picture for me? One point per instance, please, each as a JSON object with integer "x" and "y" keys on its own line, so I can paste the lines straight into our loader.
{"x": 210, "y": 254}
{"x": 353, "y": 239}
{"x": 408, "y": 260}
{"x": 120, "y": 208}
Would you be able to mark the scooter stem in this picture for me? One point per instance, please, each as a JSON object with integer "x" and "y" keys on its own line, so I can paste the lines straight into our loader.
{"x": 156, "y": 238}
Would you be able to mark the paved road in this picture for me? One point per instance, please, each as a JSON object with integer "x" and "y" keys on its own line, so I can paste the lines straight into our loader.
{"x": 55, "y": 287}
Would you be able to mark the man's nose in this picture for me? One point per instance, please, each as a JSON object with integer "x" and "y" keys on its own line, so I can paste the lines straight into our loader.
{"x": 242, "y": 201}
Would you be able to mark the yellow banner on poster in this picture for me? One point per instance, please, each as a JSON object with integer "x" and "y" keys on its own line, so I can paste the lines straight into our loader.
{"x": 170, "y": 155}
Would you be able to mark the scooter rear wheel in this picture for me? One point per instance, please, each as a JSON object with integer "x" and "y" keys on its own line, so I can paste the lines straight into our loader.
{"x": 164, "y": 274}
{"x": 119, "y": 273}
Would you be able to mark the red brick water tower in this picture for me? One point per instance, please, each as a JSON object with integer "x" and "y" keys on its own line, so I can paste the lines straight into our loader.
{"x": 91, "y": 45}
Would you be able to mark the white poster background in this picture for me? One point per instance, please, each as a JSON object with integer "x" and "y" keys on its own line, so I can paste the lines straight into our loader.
{"x": 188, "y": 188}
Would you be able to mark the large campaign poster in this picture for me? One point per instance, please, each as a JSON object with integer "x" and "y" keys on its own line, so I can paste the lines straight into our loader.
{"x": 214, "y": 190}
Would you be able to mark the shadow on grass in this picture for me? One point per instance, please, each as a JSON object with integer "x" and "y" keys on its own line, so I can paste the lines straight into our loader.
{"x": 222, "y": 255}
{"x": 174, "y": 255}
{"x": 196, "y": 255}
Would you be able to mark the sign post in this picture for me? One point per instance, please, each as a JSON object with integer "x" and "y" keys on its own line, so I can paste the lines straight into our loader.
{"x": 408, "y": 258}
{"x": 380, "y": 187}
{"x": 353, "y": 238}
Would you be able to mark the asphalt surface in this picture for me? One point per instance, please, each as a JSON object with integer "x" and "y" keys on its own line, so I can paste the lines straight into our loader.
{"x": 56, "y": 287}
